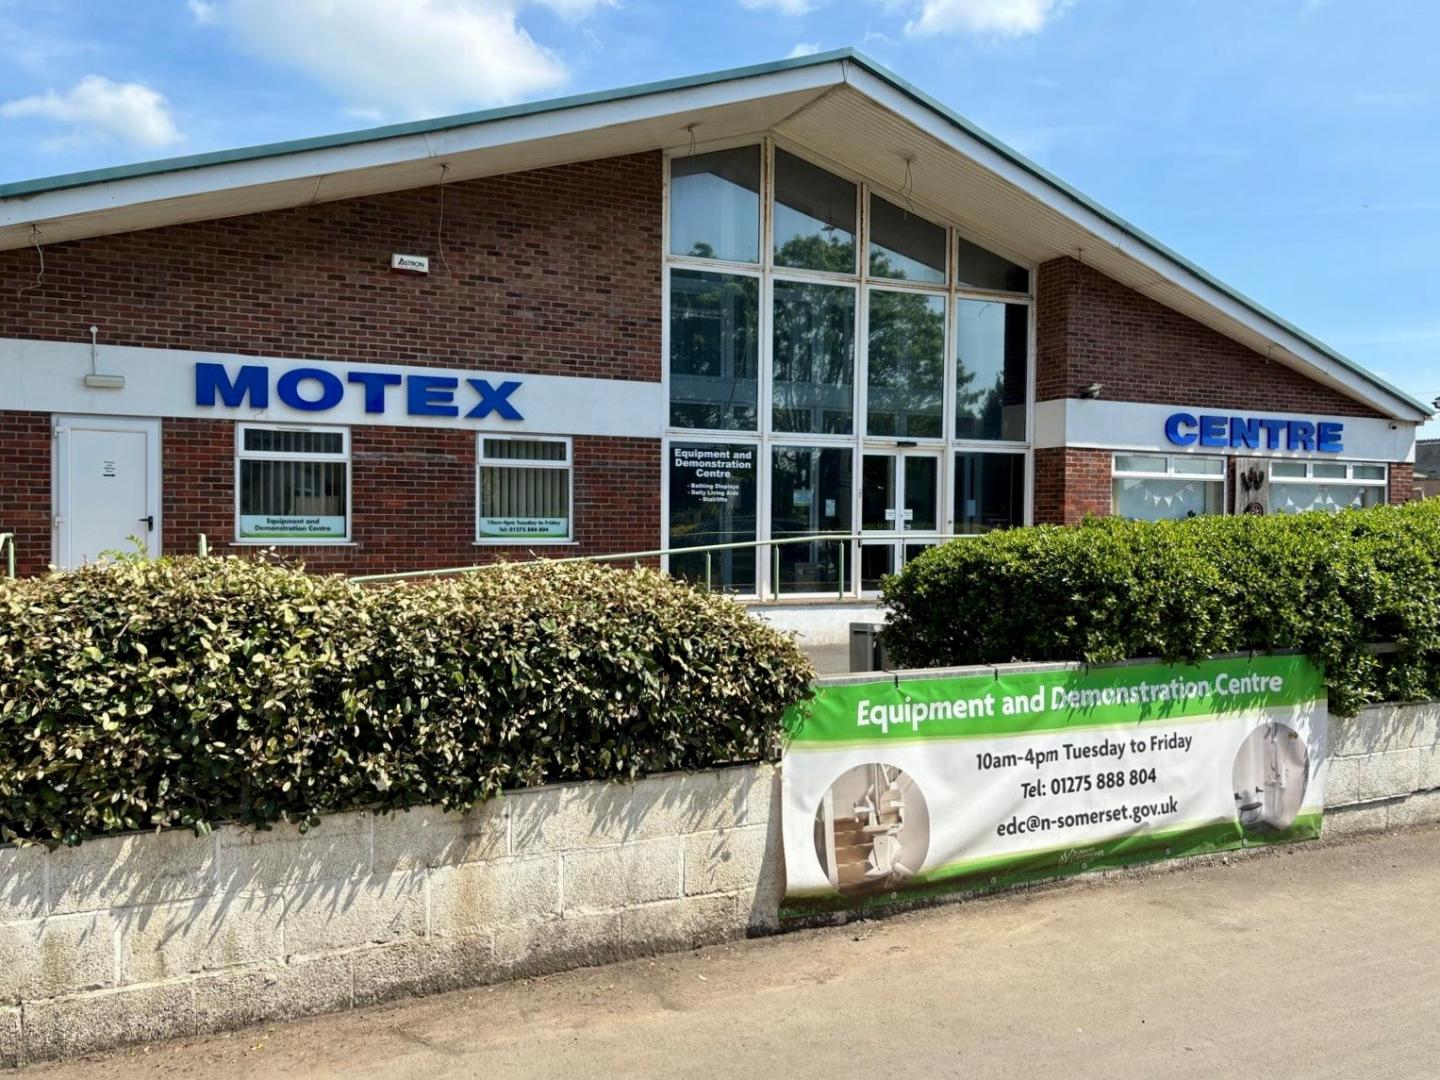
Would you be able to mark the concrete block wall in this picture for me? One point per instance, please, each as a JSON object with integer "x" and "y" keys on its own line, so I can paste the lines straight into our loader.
{"x": 144, "y": 937}
{"x": 138, "y": 938}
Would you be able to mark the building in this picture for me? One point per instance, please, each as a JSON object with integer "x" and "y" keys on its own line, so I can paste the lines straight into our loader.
{"x": 774, "y": 302}
{"x": 1427, "y": 468}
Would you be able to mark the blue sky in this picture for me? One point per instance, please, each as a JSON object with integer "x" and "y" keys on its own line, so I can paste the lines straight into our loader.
{"x": 1292, "y": 147}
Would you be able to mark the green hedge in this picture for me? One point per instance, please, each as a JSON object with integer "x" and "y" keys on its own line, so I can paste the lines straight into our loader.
{"x": 182, "y": 691}
{"x": 1109, "y": 589}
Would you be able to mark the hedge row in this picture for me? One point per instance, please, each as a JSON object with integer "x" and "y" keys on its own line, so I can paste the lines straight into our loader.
{"x": 1109, "y": 589}
{"x": 182, "y": 691}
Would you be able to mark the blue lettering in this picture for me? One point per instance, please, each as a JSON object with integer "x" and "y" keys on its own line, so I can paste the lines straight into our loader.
{"x": 1273, "y": 430}
{"x": 494, "y": 399}
{"x": 252, "y": 381}
{"x": 1174, "y": 423}
{"x": 1327, "y": 437}
{"x": 1302, "y": 435}
{"x": 1244, "y": 432}
{"x": 1212, "y": 431}
{"x": 431, "y": 395}
{"x": 331, "y": 389}
{"x": 375, "y": 384}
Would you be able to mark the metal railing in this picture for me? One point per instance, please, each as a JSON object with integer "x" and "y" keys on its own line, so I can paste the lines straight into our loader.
{"x": 7, "y": 545}
{"x": 842, "y": 542}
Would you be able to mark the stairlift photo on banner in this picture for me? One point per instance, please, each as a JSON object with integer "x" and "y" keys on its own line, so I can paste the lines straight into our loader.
{"x": 900, "y": 789}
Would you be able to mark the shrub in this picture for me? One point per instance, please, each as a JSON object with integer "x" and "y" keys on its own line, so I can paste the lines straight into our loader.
{"x": 1109, "y": 589}
{"x": 182, "y": 691}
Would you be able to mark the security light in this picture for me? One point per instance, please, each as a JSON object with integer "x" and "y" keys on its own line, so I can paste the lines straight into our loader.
{"x": 1091, "y": 392}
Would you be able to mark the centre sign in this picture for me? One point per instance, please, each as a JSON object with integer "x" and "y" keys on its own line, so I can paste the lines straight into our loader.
{"x": 1254, "y": 433}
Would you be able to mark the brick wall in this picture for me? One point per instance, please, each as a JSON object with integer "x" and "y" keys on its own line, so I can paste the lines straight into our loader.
{"x": 1071, "y": 483}
{"x": 413, "y": 495}
{"x": 1402, "y": 483}
{"x": 1092, "y": 329}
{"x": 554, "y": 271}
{"x": 25, "y": 487}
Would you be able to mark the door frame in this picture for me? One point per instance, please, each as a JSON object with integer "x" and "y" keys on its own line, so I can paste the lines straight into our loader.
{"x": 60, "y": 427}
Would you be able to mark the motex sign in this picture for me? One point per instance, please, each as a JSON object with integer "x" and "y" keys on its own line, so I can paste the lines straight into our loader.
{"x": 1254, "y": 433}
{"x": 311, "y": 389}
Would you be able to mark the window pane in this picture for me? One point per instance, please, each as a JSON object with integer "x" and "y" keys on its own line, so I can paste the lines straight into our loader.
{"x": 1369, "y": 472}
{"x": 906, "y": 380}
{"x": 525, "y": 449}
{"x": 1198, "y": 466}
{"x": 1139, "y": 463}
{"x": 1287, "y": 469}
{"x": 712, "y": 501}
{"x": 286, "y": 441}
{"x": 1292, "y": 498}
{"x": 1327, "y": 470}
{"x": 714, "y": 350}
{"x": 524, "y": 504}
{"x": 922, "y": 494}
{"x": 715, "y": 205}
{"x": 292, "y": 500}
{"x": 989, "y": 492}
{"x": 981, "y": 269}
{"x": 876, "y": 560}
{"x": 1167, "y": 500}
{"x": 990, "y": 346}
{"x": 810, "y": 493}
{"x": 814, "y": 337}
{"x": 877, "y": 493}
{"x": 904, "y": 246}
{"x": 814, "y": 217}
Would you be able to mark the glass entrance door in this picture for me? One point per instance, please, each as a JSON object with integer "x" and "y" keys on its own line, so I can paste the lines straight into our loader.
{"x": 900, "y": 506}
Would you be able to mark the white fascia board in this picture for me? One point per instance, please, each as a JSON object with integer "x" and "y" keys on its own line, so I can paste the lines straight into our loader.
{"x": 1140, "y": 426}
{"x": 407, "y": 149}
{"x": 1124, "y": 242}
{"x": 49, "y": 377}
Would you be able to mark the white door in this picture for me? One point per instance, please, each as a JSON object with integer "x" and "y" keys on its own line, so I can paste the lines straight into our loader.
{"x": 107, "y": 487}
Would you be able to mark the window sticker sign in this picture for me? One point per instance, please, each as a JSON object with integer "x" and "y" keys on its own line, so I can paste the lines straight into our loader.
{"x": 292, "y": 527}
{"x": 903, "y": 789}
{"x": 525, "y": 528}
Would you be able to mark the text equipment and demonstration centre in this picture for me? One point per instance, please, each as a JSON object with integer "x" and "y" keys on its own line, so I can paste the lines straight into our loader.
{"x": 795, "y": 299}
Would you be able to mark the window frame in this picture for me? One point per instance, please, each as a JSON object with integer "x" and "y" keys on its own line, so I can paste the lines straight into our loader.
{"x": 1348, "y": 480}
{"x": 765, "y": 438}
{"x": 345, "y": 456}
{"x": 1222, "y": 477}
{"x": 482, "y": 461}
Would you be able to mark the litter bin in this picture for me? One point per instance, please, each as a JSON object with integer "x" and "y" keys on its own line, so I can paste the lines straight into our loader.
{"x": 867, "y": 647}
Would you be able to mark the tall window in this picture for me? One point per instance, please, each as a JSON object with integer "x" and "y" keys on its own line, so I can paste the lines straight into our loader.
{"x": 292, "y": 484}
{"x": 1297, "y": 486}
{"x": 861, "y": 367}
{"x": 523, "y": 490}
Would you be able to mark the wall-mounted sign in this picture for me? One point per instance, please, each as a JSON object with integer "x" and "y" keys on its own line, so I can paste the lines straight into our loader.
{"x": 292, "y": 527}
{"x": 524, "y": 528}
{"x": 411, "y": 264}
{"x": 1254, "y": 433}
{"x": 907, "y": 788}
{"x": 316, "y": 389}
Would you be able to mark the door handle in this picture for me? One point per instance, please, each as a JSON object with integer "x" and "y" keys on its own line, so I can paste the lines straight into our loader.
{"x": 149, "y": 520}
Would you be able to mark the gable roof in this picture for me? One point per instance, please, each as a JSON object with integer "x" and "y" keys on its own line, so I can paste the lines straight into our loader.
{"x": 839, "y": 103}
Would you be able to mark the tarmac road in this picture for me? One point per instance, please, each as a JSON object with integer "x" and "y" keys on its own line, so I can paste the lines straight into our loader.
{"x": 1316, "y": 961}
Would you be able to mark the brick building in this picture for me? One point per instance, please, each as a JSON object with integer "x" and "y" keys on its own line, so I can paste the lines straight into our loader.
{"x": 769, "y": 303}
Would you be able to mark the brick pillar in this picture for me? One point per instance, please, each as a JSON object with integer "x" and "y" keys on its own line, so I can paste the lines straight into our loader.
{"x": 1070, "y": 484}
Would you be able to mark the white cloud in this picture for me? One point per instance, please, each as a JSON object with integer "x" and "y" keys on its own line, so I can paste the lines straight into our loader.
{"x": 100, "y": 109}
{"x": 408, "y": 57}
{"x": 784, "y": 7}
{"x": 1007, "y": 18}
{"x": 805, "y": 48}
{"x": 202, "y": 11}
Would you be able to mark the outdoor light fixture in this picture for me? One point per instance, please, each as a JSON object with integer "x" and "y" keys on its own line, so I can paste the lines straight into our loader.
{"x": 97, "y": 380}
{"x": 1091, "y": 392}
